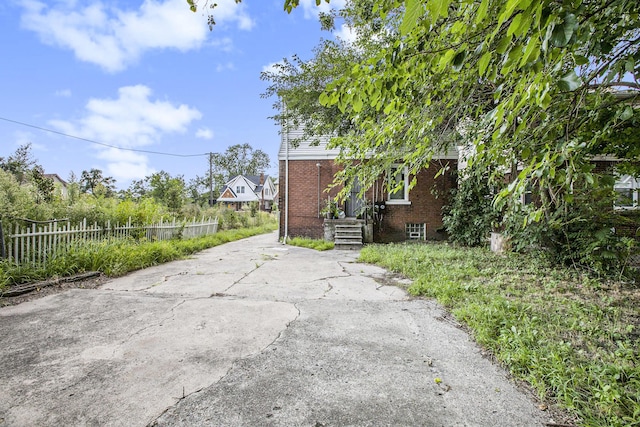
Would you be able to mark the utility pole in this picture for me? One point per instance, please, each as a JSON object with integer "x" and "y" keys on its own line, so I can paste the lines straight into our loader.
{"x": 210, "y": 179}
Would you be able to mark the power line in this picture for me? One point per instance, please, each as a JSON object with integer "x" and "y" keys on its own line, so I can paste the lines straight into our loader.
{"x": 102, "y": 143}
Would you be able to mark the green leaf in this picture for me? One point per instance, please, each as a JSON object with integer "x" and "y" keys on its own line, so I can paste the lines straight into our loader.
{"x": 357, "y": 104}
{"x": 570, "y": 82}
{"x": 563, "y": 32}
{"x": 627, "y": 113}
{"x": 323, "y": 99}
{"x": 483, "y": 63}
{"x": 390, "y": 106}
{"x": 458, "y": 60}
{"x": 580, "y": 60}
{"x": 413, "y": 12}
{"x": 482, "y": 11}
{"x": 531, "y": 52}
{"x": 438, "y": 8}
{"x": 508, "y": 11}
{"x": 503, "y": 45}
{"x": 515, "y": 23}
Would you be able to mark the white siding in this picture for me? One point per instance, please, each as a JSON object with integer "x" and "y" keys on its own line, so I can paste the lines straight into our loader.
{"x": 306, "y": 151}
{"x": 247, "y": 196}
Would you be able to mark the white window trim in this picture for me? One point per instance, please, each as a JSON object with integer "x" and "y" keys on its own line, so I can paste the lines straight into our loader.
{"x": 627, "y": 182}
{"x": 405, "y": 200}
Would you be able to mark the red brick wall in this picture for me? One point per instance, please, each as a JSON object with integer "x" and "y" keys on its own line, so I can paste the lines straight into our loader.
{"x": 427, "y": 198}
{"x": 425, "y": 207}
{"x": 303, "y": 196}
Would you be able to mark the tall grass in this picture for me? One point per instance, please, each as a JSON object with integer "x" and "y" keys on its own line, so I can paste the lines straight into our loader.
{"x": 574, "y": 339}
{"x": 317, "y": 244}
{"x": 117, "y": 257}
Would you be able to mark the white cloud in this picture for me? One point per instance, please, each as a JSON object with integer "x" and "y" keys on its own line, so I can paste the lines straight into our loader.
{"x": 114, "y": 38}
{"x": 132, "y": 120}
{"x": 224, "y": 44}
{"x": 22, "y": 138}
{"x": 270, "y": 68}
{"x": 63, "y": 93}
{"x": 225, "y": 67}
{"x": 125, "y": 165}
{"x": 312, "y": 11}
{"x": 346, "y": 34}
{"x": 204, "y": 133}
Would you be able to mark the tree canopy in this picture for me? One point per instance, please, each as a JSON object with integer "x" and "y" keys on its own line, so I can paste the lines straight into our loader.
{"x": 26, "y": 170}
{"x": 541, "y": 84}
{"x": 238, "y": 159}
{"x": 94, "y": 182}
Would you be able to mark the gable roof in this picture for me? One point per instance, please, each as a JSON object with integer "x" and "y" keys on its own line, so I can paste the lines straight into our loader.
{"x": 56, "y": 178}
{"x": 253, "y": 190}
{"x": 227, "y": 192}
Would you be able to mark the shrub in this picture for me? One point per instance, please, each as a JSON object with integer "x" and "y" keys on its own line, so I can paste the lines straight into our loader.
{"x": 469, "y": 217}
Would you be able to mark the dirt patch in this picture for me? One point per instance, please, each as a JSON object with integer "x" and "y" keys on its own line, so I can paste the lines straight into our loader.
{"x": 39, "y": 292}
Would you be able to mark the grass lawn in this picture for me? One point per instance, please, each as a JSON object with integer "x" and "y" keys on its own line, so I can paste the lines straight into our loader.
{"x": 118, "y": 257}
{"x": 574, "y": 339}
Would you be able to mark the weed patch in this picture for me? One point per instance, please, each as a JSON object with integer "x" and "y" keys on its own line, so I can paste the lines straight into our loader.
{"x": 317, "y": 244}
{"x": 574, "y": 339}
{"x": 118, "y": 257}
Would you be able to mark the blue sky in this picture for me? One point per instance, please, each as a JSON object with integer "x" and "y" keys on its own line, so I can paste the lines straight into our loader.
{"x": 143, "y": 74}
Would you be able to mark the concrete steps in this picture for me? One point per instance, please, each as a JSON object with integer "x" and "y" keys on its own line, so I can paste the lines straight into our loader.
{"x": 348, "y": 236}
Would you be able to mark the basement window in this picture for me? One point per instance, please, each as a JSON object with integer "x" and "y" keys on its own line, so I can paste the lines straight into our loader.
{"x": 415, "y": 231}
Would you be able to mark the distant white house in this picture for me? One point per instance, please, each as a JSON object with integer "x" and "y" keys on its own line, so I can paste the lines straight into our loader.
{"x": 59, "y": 185}
{"x": 242, "y": 190}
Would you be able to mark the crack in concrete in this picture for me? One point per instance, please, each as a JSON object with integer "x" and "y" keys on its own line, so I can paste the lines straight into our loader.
{"x": 155, "y": 324}
{"x": 242, "y": 278}
{"x": 154, "y": 421}
{"x": 329, "y": 289}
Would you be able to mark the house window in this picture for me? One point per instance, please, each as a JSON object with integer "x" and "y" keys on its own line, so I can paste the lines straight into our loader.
{"x": 266, "y": 192}
{"x": 527, "y": 196}
{"x": 626, "y": 188}
{"x": 240, "y": 189}
{"x": 398, "y": 181}
{"x": 416, "y": 231}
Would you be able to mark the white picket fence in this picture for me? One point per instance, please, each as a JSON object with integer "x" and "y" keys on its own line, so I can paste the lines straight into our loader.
{"x": 37, "y": 243}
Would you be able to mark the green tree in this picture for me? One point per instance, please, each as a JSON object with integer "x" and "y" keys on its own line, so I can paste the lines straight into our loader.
{"x": 137, "y": 190}
{"x": 95, "y": 183}
{"x": 20, "y": 163}
{"x": 27, "y": 171}
{"x": 533, "y": 81}
{"x": 44, "y": 186}
{"x": 239, "y": 159}
{"x": 534, "y": 87}
{"x": 298, "y": 84}
{"x": 166, "y": 189}
{"x": 16, "y": 201}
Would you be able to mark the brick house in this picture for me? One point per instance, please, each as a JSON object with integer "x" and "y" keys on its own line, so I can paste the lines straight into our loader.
{"x": 307, "y": 171}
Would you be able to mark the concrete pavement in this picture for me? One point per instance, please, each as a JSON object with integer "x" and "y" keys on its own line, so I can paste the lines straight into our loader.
{"x": 248, "y": 333}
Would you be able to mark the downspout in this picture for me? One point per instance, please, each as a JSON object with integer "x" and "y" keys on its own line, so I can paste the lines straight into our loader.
{"x": 286, "y": 186}
{"x": 318, "y": 166}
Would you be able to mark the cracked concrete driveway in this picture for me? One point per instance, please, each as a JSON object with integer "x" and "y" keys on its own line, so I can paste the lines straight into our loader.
{"x": 248, "y": 333}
